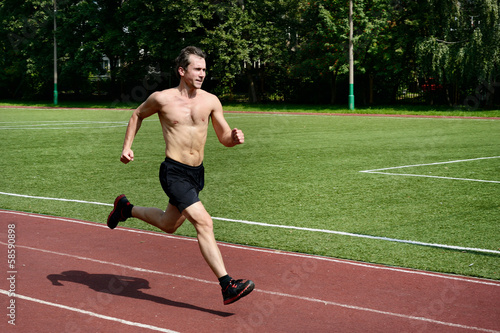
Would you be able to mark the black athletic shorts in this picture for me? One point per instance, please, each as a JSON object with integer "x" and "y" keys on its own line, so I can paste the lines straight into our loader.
{"x": 182, "y": 183}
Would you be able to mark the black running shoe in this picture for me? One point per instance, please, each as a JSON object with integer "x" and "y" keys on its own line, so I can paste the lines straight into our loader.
{"x": 236, "y": 290}
{"x": 120, "y": 212}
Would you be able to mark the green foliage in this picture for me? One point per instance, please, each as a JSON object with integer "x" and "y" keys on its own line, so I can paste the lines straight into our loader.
{"x": 26, "y": 37}
{"x": 275, "y": 50}
{"x": 326, "y": 38}
{"x": 249, "y": 38}
{"x": 460, "y": 43}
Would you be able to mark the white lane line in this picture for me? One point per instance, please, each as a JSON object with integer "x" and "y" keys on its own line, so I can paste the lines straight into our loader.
{"x": 273, "y": 293}
{"x": 380, "y": 171}
{"x": 138, "y": 269}
{"x": 269, "y": 251}
{"x": 89, "y": 313}
{"x": 354, "y": 307}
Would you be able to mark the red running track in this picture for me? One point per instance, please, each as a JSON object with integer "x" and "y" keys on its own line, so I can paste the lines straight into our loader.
{"x": 78, "y": 276}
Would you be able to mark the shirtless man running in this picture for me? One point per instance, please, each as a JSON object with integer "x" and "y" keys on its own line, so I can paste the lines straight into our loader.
{"x": 184, "y": 114}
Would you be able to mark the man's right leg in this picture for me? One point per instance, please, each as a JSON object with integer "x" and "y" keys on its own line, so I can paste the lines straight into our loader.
{"x": 168, "y": 220}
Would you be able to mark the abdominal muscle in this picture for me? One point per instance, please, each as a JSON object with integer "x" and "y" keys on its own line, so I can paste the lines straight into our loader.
{"x": 184, "y": 123}
{"x": 185, "y": 143}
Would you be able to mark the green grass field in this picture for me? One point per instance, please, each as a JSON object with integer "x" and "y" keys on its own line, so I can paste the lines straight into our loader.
{"x": 293, "y": 170}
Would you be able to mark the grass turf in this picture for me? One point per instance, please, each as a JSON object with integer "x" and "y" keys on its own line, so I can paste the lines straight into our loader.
{"x": 293, "y": 170}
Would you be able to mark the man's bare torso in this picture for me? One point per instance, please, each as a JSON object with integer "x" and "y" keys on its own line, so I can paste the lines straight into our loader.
{"x": 184, "y": 122}
{"x": 184, "y": 113}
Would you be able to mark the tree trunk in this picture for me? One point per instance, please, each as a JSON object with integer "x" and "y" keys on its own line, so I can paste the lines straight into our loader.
{"x": 252, "y": 91}
{"x": 334, "y": 87}
{"x": 371, "y": 89}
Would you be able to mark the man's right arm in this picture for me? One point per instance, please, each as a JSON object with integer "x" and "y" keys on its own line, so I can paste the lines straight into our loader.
{"x": 146, "y": 109}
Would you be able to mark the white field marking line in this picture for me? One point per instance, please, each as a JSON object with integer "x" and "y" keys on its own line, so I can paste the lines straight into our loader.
{"x": 269, "y": 225}
{"x": 44, "y": 124}
{"x": 89, "y": 313}
{"x": 273, "y": 293}
{"x": 38, "y": 127}
{"x": 64, "y": 122}
{"x": 60, "y": 122}
{"x": 378, "y": 171}
{"x": 63, "y": 128}
{"x": 439, "y": 177}
{"x": 42, "y": 108}
{"x": 269, "y": 251}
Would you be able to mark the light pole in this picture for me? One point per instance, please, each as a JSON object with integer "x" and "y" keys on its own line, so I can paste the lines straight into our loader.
{"x": 55, "y": 56}
{"x": 351, "y": 59}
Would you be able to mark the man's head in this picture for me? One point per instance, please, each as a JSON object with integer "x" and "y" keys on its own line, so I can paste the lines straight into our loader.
{"x": 182, "y": 61}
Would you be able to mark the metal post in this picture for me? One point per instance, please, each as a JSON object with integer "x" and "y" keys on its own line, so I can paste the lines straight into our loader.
{"x": 351, "y": 59}
{"x": 55, "y": 57}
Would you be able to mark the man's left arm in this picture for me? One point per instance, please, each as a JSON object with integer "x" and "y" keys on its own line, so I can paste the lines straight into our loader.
{"x": 227, "y": 136}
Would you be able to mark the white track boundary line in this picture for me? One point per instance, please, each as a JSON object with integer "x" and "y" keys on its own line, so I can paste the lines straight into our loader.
{"x": 269, "y": 225}
{"x": 55, "y": 199}
{"x": 273, "y": 293}
{"x": 379, "y": 171}
{"x": 89, "y": 313}
{"x": 452, "y": 247}
{"x": 269, "y": 251}
{"x": 342, "y": 233}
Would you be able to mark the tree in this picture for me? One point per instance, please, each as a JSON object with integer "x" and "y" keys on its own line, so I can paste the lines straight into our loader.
{"x": 140, "y": 39}
{"x": 323, "y": 42}
{"x": 385, "y": 49}
{"x": 323, "y": 50}
{"x": 27, "y": 41}
{"x": 78, "y": 37}
{"x": 459, "y": 45}
{"x": 249, "y": 38}
{"x": 294, "y": 50}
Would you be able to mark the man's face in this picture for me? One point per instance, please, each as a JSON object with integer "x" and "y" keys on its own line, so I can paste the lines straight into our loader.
{"x": 195, "y": 72}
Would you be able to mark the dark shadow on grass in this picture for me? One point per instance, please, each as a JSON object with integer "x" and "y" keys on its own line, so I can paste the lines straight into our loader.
{"x": 124, "y": 286}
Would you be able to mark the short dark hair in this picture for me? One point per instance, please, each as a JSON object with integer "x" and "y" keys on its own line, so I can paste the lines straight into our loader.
{"x": 183, "y": 59}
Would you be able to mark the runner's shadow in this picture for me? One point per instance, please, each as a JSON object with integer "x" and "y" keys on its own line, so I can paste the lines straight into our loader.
{"x": 122, "y": 286}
